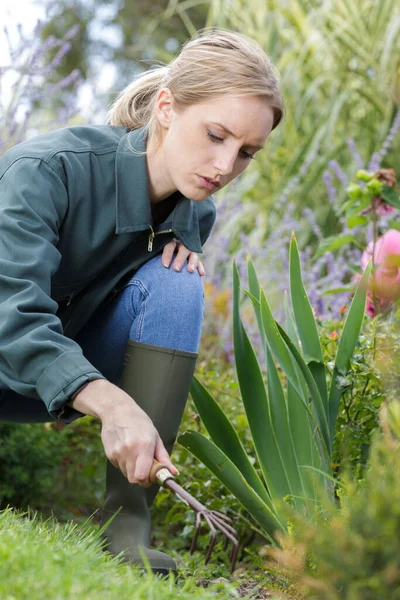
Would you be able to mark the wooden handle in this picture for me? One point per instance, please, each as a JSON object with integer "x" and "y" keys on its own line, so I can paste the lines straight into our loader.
{"x": 159, "y": 473}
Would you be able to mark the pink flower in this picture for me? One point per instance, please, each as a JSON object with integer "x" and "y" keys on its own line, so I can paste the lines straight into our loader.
{"x": 384, "y": 283}
{"x": 370, "y": 308}
{"x": 381, "y": 207}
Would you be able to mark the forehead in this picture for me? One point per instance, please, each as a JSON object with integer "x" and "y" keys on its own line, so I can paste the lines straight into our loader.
{"x": 248, "y": 118}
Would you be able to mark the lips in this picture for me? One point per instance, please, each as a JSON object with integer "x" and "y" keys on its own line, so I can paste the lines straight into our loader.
{"x": 209, "y": 183}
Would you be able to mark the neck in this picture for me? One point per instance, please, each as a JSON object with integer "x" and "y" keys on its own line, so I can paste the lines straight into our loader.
{"x": 160, "y": 184}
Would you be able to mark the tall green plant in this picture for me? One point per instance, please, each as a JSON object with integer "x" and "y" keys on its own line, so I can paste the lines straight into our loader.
{"x": 291, "y": 417}
{"x": 340, "y": 76}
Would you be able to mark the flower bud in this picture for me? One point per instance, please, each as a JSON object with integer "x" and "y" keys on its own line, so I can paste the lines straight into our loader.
{"x": 374, "y": 186}
{"x": 354, "y": 191}
{"x": 363, "y": 175}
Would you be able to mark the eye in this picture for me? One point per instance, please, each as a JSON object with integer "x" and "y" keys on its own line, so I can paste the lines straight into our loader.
{"x": 247, "y": 155}
{"x": 214, "y": 138}
{"x": 217, "y": 140}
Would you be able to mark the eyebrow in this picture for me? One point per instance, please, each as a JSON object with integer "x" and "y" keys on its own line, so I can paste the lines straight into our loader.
{"x": 231, "y": 133}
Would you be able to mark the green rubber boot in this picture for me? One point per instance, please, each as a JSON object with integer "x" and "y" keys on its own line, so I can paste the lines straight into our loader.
{"x": 158, "y": 379}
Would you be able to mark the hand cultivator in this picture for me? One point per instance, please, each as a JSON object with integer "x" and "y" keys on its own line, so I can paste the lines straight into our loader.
{"x": 215, "y": 520}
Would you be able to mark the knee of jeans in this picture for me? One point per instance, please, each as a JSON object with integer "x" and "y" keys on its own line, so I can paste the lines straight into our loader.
{"x": 167, "y": 287}
{"x": 182, "y": 289}
{"x": 185, "y": 287}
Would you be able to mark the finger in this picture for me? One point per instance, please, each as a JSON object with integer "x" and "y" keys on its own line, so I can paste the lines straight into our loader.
{"x": 200, "y": 268}
{"x": 141, "y": 480}
{"x": 162, "y": 456}
{"x": 122, "y": 467}
{"x": 168, "y": 253}
{"x": 140, "y": 470}
{"x": 193, "y": 262}
{"x": 181, "y": 257}
{"x": 114, "y": 459}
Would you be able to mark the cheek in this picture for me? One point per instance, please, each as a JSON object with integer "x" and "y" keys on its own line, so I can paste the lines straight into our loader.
{"x": 239, "y": 167}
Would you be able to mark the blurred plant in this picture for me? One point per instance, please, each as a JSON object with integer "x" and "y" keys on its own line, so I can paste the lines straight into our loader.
{"x": 340, "y": 76}
{"x": 292, "y": 432}
{"x": 351, "y": 551}
{"x": 29, "y": 460}
{"x": 27, "y": 86}
{"x": 328, "y": 271}
{"x": 362, "y": 396}
{"x": 384, "y": 285}
{"x": 52, "y": 468}
{"x": 371, "y": 200}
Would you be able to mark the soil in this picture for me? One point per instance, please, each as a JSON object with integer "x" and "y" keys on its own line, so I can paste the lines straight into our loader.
{"x": 250, "y": 589}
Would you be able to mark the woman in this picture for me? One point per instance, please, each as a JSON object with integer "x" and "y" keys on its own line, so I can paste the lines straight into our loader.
{"x": 92, "y": 320}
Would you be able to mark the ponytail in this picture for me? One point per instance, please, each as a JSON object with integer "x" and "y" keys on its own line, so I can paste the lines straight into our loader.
{"x": 134, "y": 106}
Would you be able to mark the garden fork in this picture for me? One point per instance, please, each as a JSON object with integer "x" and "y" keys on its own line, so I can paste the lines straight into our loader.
{"x": 215, "y": 520}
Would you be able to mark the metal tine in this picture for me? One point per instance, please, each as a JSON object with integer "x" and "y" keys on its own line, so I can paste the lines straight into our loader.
{"x": 221, "y": 515}
{"x": 225, "y": 525}
{"x": 210, "y": 520}
{"x": 228, "y": 536}
{"x": 213, "y": 537}
{"x": 235, "y": 546}
{"x": 233, "y": 538}
{"x": 214, "y": 519}
{"x": 234, "y": 555}
{"x": 196, "y": 533}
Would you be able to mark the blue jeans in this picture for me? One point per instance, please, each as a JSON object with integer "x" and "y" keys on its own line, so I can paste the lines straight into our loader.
{"x": 157, "y": 306}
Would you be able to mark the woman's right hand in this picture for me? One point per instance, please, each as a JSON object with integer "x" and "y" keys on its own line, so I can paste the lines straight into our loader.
{"x": 130, "y": 440}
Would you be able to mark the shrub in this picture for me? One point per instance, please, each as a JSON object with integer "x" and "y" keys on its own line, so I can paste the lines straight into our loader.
{"x": 29, "y": 459}
{"x": 352, "y": 552}
{"x": 52, "y": 468}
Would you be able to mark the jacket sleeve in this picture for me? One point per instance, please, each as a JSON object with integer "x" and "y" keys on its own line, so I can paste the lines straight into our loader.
{"x": 36, "y": 359}
{"x": 206, "y": 213}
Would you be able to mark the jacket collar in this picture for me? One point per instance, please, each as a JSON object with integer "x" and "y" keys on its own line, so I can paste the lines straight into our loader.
{"x": 133, "y": 202}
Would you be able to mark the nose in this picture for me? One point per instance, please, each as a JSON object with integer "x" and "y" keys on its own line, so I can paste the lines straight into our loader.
{"x": 224, "y": 161}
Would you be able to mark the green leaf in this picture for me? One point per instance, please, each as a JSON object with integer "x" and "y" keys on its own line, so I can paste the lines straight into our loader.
{"x": 345, "y": 288}
{"x": 348, "y": 340}
{"x": 394, "y": 224}
{"x": 278, "y": 402}
{"x": 256, "y": 403}
{"x": 279, "y": 344}
{"x": 303, "y": 437}
{"x": 224, "y": 469}
{"x": 390, "y": 196}
{"x": 280, "y": 419}
{"x": 303, "y": 313}
{"x": 356, "y": 220}
{"x": 305, "y": 323}
{"x": 255, "y": 296}
{"x": 224, "y": 435}
{"x": 290, "y": 327}
{"x": 317, "y": 404}
{"x": 333, "y": 243}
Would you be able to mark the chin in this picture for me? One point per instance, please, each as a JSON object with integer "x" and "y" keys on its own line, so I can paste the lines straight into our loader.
{"x": 195, "y": 193}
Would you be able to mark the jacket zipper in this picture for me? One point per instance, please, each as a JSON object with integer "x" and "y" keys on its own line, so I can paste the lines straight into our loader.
{"x": 152, "y": 236}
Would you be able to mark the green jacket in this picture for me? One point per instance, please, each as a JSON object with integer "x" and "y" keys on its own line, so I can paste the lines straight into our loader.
{"x": 75, "y": 218}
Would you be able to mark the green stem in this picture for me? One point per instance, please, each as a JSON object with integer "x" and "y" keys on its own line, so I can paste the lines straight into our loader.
{"x": 375, "y": 300}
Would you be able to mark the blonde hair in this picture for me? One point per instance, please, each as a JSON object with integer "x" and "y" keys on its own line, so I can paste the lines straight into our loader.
{"x": 212, "y": 64}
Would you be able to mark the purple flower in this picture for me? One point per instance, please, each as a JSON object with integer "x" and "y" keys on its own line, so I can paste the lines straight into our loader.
{"x": 32, "y": 71}
{"x": 355, "y": 154}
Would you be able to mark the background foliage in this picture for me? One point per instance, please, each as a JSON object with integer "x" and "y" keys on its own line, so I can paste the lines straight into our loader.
{"x": 339, "y": 62}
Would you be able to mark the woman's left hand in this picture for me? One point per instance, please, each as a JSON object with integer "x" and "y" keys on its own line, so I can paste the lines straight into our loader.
{"x": 182, "y": 255}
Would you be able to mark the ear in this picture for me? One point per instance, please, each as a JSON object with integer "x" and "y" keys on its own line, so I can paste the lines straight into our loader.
{"x": 164, "y": 107}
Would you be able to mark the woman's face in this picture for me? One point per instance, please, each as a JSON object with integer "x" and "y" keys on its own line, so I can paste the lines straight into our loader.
{"x": 207, "y": 145}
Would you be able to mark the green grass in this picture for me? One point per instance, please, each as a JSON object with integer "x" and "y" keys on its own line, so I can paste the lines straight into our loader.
{"x": 44, "y": 560}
